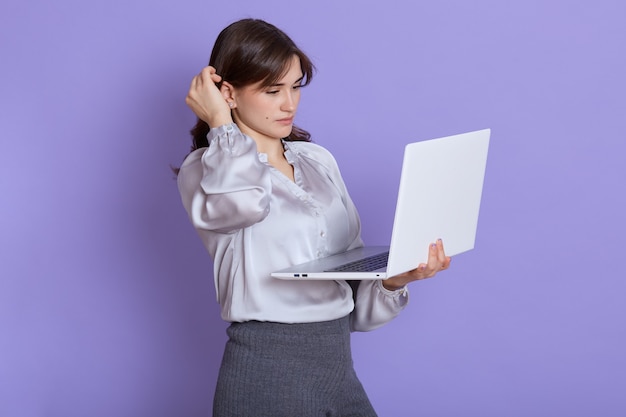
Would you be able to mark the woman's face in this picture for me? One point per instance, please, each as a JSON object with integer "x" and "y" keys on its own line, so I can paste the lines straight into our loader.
{"x": 267, "y": 113}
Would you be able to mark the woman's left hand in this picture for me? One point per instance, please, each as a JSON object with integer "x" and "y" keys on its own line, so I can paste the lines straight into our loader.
{"x": 437, "y": 261}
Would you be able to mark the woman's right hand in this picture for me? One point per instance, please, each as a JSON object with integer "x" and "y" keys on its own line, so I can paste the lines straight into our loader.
{"x": 206, "y": 100}
{"x": 437, "y": 261}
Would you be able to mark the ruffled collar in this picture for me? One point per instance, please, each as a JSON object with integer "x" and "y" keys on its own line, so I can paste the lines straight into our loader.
{"x": 290, "y": 154}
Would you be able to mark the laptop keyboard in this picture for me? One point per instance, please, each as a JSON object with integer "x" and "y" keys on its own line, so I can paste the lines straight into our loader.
{"x": 371, "y": 263}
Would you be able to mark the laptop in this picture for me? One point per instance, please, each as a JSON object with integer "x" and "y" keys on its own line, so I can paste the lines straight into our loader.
{"x": 439, "y": 197}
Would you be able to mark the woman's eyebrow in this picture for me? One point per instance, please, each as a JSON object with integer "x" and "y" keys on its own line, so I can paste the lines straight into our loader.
{"x": 282, "y": 84}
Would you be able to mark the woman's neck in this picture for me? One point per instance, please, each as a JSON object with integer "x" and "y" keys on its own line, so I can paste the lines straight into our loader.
{"x": 272, "y": 147}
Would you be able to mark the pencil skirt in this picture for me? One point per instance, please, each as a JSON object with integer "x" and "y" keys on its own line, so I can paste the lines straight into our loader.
{"x": 289, "y": 370}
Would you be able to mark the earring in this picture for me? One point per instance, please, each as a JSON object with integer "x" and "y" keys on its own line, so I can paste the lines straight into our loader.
{"x": 231, "y": 104}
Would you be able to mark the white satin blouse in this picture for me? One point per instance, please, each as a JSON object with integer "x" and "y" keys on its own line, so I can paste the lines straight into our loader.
{"x": 254, "y": 220}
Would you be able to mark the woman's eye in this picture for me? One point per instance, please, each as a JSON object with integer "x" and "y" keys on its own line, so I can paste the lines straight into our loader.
{"x": 272, "y": 92}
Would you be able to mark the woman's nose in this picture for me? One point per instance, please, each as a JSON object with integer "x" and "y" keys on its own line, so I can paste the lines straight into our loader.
{"x": 290, "y": 102}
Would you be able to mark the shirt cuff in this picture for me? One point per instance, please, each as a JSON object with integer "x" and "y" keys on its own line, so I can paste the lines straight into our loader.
{"x": 403, "y": 291}
{"x": 221, "y": 130}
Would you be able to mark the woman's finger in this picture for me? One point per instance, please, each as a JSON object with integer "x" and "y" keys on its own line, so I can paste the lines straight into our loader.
{"x": 441, "y": 253}
{"x": 434, "y": 263}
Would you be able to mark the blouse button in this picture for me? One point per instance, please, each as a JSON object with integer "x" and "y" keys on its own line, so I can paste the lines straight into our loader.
{"x": 323, "y": 233}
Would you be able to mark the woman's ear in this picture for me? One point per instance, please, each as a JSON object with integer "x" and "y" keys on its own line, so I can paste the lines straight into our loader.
{"x": 228, "y": 91}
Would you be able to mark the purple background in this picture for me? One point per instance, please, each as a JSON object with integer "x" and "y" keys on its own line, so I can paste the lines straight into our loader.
{"x": 106, "y": 296}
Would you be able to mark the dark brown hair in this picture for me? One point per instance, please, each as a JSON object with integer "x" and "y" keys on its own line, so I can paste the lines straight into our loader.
{"x": 251, "y": 51}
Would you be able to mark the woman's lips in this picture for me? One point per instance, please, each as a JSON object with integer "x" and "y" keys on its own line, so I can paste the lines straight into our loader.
{"x": 286, "y": 121}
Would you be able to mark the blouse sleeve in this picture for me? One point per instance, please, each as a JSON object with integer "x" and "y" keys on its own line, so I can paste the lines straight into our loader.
{"x": 375, "y": 305}
{"x": 225, "y": 187}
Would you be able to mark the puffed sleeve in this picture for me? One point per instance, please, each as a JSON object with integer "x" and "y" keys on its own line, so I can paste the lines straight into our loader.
{"x": 375, "y": 305}
{"x": 225, "y": 187}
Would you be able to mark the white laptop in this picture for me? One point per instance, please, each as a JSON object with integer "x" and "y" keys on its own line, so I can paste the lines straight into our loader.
{"x": 439, "y": 197}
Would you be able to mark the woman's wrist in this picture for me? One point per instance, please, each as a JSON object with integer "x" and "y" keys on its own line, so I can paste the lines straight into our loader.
{"x": 218, "y": 121}
{"x": 393, "y": 284}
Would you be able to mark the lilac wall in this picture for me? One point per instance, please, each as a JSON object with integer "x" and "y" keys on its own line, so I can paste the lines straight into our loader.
{"x": 106, "y": 299}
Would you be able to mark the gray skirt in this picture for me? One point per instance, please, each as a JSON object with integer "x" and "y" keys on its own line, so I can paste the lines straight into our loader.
{"x": 289, "y": 370}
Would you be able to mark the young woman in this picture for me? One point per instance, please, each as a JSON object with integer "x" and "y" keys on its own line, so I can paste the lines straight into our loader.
{"x": 263, "y": 197}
